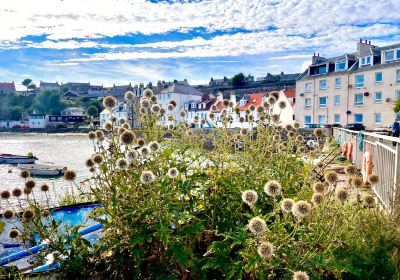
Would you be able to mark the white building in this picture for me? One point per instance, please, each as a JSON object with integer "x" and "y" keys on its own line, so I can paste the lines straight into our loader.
{"x": 73, "y": 111}
{"x": 38, "y": 121}
{"x": 119, "y": 113}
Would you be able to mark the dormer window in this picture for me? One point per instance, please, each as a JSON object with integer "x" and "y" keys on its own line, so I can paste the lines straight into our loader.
{"x": 186, "y": 105}
{"x": 366, "y": 60}
{"x": 243, "y": 102}
{"x": 341, "y": 65}
{"x": 389, "y": 56}
{"x": 194, "y": 105}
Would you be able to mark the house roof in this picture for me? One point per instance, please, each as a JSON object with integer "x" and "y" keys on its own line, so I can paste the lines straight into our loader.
{"x": 182, "y": 89}
{"x": 46, "y": 84}
{"x": 253, "y": 98}
{"x": 289, "y": 92}
{"x": 6, "y": 84}
{"x": 208, "y": 103}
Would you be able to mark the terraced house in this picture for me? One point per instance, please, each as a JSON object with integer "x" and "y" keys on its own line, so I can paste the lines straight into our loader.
{"x": 359, "y": 87}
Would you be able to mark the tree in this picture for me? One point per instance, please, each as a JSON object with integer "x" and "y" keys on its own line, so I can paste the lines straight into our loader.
{"x": 49, "y": 102}
{"x": 396, "y": 108}
{"x": 92, "y": 111}
{"x": 27, "y": 83}
{"x": 16, "y": 113}
{"x": 238, "y": 80}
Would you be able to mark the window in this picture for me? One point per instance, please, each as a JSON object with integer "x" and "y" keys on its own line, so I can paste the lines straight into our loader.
{"x": 308, "y": 87}
{"x": 341, "y": 65}
{"x": 365, "y": 61}
{"x": 338, "y": 83}
{"x": 321, "y": 119}
{"x": 398, "y": 76}
{"x": 169, "y": 96}
{"x": 194, "y": 105}
{"x": 308, "y": 103}
{"x": 358, "y": 118}
{"x": 186, "y": 106}
{"x": 322, "y": 102}
{"x": 359, "y": 79}
{"x": 378, "y": 77}
{"x": 389, "y": 55}
{"x": 336, "y": 118}
{"x": 378, "y": 97}
{"x": 359, "y": 99}
{"x": 337, "y": 99}
{"x": 398, "y": 116}
{"x": 307, "y": 119}
{"x": 378, "y": 118}
{"x": 397, "y": 94}
{"x": 323, "y": 84}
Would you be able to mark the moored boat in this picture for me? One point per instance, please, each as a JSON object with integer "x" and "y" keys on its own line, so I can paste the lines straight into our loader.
{"x": 43, "y": 170}
{"x": 16, "y": 159}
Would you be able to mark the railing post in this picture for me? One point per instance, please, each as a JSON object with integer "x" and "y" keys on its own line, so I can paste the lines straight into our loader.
{"x": 396, "y": 171}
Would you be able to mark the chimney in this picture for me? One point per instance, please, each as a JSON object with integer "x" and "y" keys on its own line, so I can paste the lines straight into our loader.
{"x": 369, "y": 43}
{"x": 318, "y": 55}
{"x": 360, "y": 40}
{"x": 233, "y": 98}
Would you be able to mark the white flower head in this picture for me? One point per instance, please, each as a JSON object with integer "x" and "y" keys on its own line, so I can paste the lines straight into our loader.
{"x": 173, "y": 173}
{"x": 250, "y": 197}
{"x": 273, "y": 188}
{"x": 257, "y": 226}
{"x": 147, "y": 177}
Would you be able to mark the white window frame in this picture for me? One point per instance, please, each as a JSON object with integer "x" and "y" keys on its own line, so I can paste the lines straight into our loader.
{"x": 394, "y": 55}
{"x": 307, "y": 117}
{"x": 380, "y": 117}
{"x": 308, "y": 87}
{"x": 397, "y": 94}
{"x": 377, "y": 100}
{"x": 376, "y": 75}
{"x": 326, "y": 84}
{"x": 398, "y": 76}
{"x": 341, "y": 62}
{"x": 307, "y": 105}
{"x": 355, "y": 98}
{"x": 355, "y": 117}
{"x": 319, "y": 102}
{"x": 334, "y": 118}
{"x": 364, "y": 60}
{"x": 335, "y": 99}
{"x": 336, "y": 83}
{"x": 319, "y": 119}
{"x": 194, "y": 105}
{"x": 359, "y": 85}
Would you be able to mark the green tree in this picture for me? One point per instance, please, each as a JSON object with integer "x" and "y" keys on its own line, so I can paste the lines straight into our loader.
{"x": 15, "y": 113}
{"x": 49, "y": 102}
{"x": 238, "y": 80}
{"x": 27, "y": 83}
{"x": 92, "y": 111}
{"x": 396, "y": 108}
{"x": 98, "y": 105}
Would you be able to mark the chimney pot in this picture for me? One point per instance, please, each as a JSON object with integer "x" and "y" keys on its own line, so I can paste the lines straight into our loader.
{"x": 360, "y": 40}
{"x": 318, "y": 54}
{"x": 369, "y": 43}
{"x": 366, "y": 41}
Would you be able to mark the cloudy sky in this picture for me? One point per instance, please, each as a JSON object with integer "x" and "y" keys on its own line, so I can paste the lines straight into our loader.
{"x": 121, "y": 41}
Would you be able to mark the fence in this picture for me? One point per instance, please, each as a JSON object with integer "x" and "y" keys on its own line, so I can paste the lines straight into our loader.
{"x": 385, "y": 152}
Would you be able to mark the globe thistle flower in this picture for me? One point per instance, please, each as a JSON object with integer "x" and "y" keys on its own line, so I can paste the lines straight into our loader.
{"x": 373, "y": 179}
{"x": 260, "y": 109}
{"x": 311, "y": 144}
{"x": 154, "y": 146}
{"x": 5, "y": 194}
{"x": 27, "y": 191}
{"x": 99, "y": 134}
{"x": 132, "y": 155}
{"x": 369, "y": 201}
{"x": 171, "y": 118}
{"x": 225, "y": 102}
{"x": 17, "y": 192}
{"x": 288, "y": 127}
{"x": 92, "y": 135}
{"x": 213, "y": 108}
{"x": 92, "y": 169}
{"x": 155, "y": 108}
{"x": 171, "y": 127}
{"x": 170, "y": 107}
{"x": 121, "y": 130}
{"x": 273, "y": 188}
{"x": 282, "y": 104}
{"x": 342, "y": 194}
{"x": 203, "y": 122}
{"x": 262, "y": 118}
{"x": 145, "y": 103}
{"x": 257, "y": 226}
{"x": 276, "y": 138}
{"x": 275, "y": 118}
{"x": 250, "y": 118}
{"x": 331, "y": 177}
{"x": 44, "y": 188}
{"x": 189, "y": 133}
{"x": 182, "y": 113}
{"x": 141, "y": 142}
{"x": 148, "y": 93}
{"x": 24, "y": 174}
{"x": 196, "y": 118}
{"x": 279, "y": 128}
{"x": 122, "y": 163}
{"x": 129, "y": 96}
{"x": 300, "y": 275}
{"x": 296, "y": 125}
{"x": 211, "y": 116}
{"x": 45, "y": 213}
{"x": 350, "y": 169}
{"x": 318, "y": 132}
{"x": 108, "y": 126}
{"x": 98, "y": 158}
{"x": 271, "y": 100}
{"x": 70, "y": 175}
{"x": 319, "y": 187}
{"x": 172, "y": 173}
{"x": 249, "y": 197}
{"x": 110, "y": 102}
{"x": 317, "y": 198}
{"x": 320, "y": 165}
{"x": 266, "y": 250}
{"x": 8, "y": 214}
{"x": 252, "y": 107}
{"x": 301, "y": 209}
{"x": 300, "y": 138}
{"x": 162, "y": 112}
{"x": 238, "y": 137}
{"x": 154, "y": 99}
{"x": 147, "y": 177}
{"x": 357, "y": 182}
{"x": 287, "y": 205}
{"x": 144, "y": 151}
{"x": 302, "y": 149}
{"x": 28, "y": 215}
{"x": 291, "y": 134}
{"x": 14, "y": 233}
{"x": 142, "y": 110}
{"x": 241, "y": 119}
{"x": 127, "y": 137}
{"x": 126, "y": 126}
{"x": 231, "y": 104}
{"x": 244, "y": 132}
{"x": 113, "y": 119}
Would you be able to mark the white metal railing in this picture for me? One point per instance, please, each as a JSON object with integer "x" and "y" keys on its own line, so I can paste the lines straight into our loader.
{"x": 385, "y": 152}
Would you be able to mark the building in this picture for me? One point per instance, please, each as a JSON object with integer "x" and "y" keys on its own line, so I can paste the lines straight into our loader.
{"x": 120, "y": 112}
{"x": 358, "y": 87}
{"x": 39, "y": 121}
{"x": 6, "y": 88}
{"x": 49, "y": 86}
{"x": 73, "y": 111}
{"x": 56, "y": 119}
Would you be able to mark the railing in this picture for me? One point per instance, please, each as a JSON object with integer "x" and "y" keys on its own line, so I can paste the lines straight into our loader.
{"x": 385, "y": 151}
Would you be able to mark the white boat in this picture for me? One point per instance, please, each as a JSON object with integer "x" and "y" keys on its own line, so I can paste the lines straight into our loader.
{"x": 43, "y": 170}
{"x": 16, "y": 159}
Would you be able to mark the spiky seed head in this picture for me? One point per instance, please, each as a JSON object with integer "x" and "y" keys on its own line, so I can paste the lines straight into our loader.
{"x": 28, "y": 215}
{"x": 275, "y": 118}
{"x": 122, "y": 163}
{"x": 252, "y": 107}
{"x": 129, "y": 96}
{"x": 5, "y": 194}
{"x": 147, "y": 177}
{"x": 30, "y": 184}
{"x": 247, "y": 112}
{"x": 369, "y": 201}
{"x": 271, "y": 100}
{"x": 148, "y": 93}
{"x": 250, "y": 197}
{"x": 24, "y": 174}
{"x": 144, "y": 151}
{"x": 89, "y": 162}
{"x": 108, "y": 126}
{"x": 92, "y": 135}
{"x": 287, "y": 205}
{"x": 244, "y": 132}
{"x": 291, "y": 134}
{"x": 373, "y": 179}
{"x": 141, "y": 142}
{"x": 17, "y": 192}
{"x": 27, "y": 191}
{"x": 183, "y": 113}
{"x": 331, "y": 177}
{"x": 132, "y": 155}
{"x": 110, "y": 102}
{"x": 301, "y": 209}
{"x": 212, "y": 116}
{"x": 155, "y": 108}
{"x": 98, "y": 158}
{"x": 173, "y": 172}
{"x": 8, "y": 214}
{"x": 241, "y": 119}
{"x": 350, "y": 169}
{"x": 357, "y": 182}
{"x": 288, "y": 127}
{"x": 225, "y": 103}
{"x": 14, "y": 233}
{"x": 70, "y": 175}
{"x": 213, "y": 108}
{"x": 44, "y": 188}
{"x": 273, "y": 188}
{"x": 282, "y": 104}
{"x": 99, "y": 134}
{"x": 300, "y": 138}
{"x": 317, "y": 198}
{"x": 127, "y": 137}
{"x": 342, "y": 194}
{"x": 300, "y": 275}
{"x": 154, "y": 99}
{"x": 45, "y": 213}
{"x": 145, "y": 103}
{"x": 154, "y": 146}
{"x": 266, "y": 250}
{"x": 296, "y": 125}
{"x": 257, "y": 226}
{"x": 318, "y": 132}
{"x": 319, "y": 187}
{"x": 126, "y": 126}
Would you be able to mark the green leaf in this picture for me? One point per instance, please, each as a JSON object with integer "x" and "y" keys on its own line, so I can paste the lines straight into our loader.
{"x": 2, "y": 226}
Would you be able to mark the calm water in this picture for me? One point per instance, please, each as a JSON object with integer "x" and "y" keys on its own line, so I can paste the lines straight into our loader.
{"x": 70, "y": 150}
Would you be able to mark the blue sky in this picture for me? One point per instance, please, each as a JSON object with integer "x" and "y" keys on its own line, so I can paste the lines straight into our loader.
{"x": 122, "y": 41}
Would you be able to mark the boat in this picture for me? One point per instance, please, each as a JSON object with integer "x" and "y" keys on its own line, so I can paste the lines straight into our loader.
{"x": 16, "y": 159}
{"x": 43, "y": 170}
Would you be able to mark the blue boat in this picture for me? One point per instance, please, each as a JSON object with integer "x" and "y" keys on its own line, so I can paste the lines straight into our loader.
{"x": 21, "y": 255}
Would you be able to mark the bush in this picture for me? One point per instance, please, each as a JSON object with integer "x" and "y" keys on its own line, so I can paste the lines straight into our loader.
{"x": 175, "y": 210}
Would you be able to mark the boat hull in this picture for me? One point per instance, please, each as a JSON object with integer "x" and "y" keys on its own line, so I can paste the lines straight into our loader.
{"x": 17, "y": 160}
{"x": 42, "y": 170}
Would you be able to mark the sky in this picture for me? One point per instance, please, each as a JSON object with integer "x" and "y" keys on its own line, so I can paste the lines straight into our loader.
{"x": 121, "y": 41}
